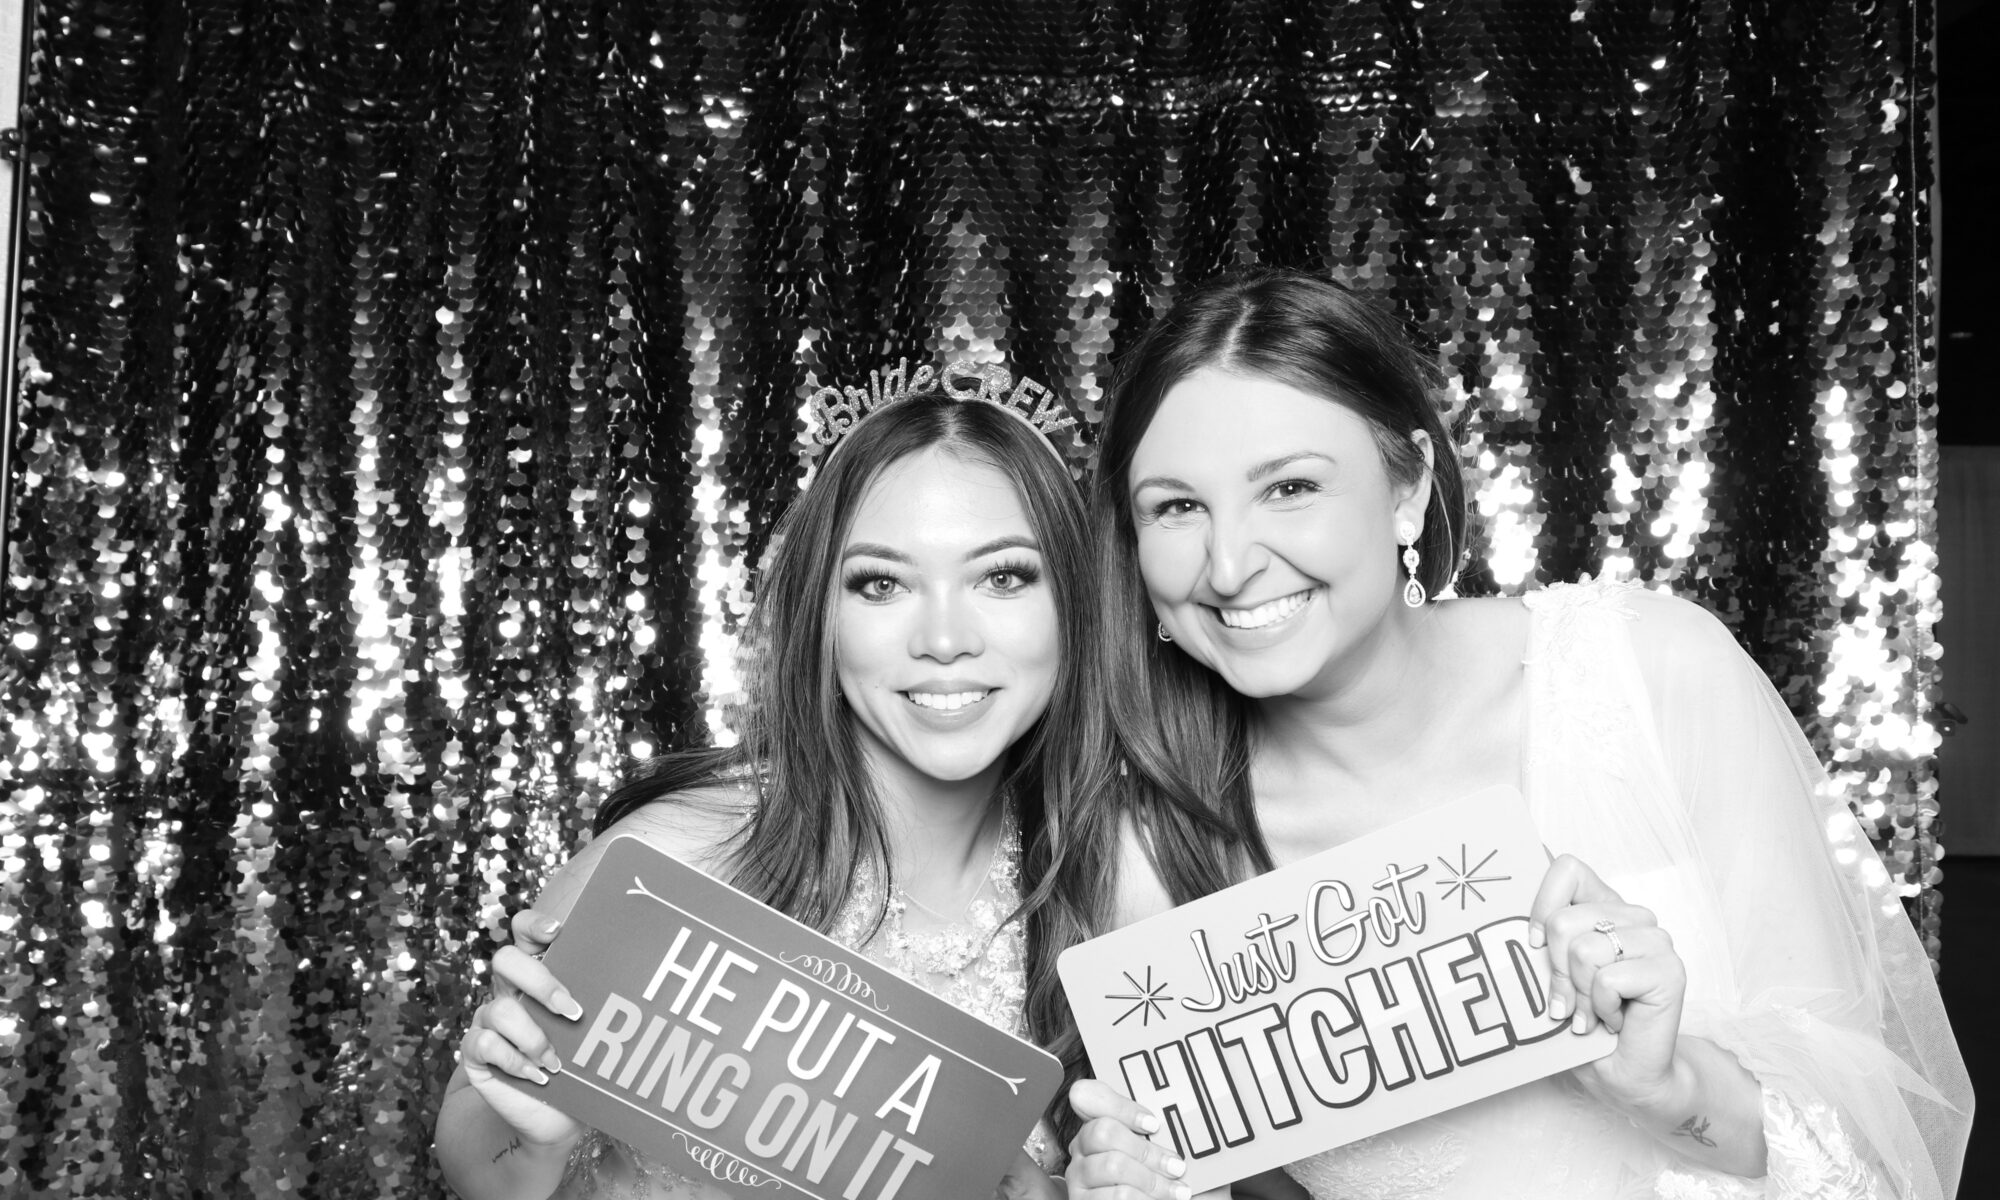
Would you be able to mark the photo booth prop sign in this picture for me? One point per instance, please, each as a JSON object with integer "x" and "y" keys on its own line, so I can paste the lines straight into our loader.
{"x": 728, "y": 1041}
{"x": 1381, "y": 981}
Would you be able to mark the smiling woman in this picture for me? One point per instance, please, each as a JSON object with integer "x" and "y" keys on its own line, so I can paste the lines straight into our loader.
{"x": 1276, "y": 506}
{"x": 920, "y": 721}
{"x": 945, "y": 631}
{"x": 1271, "y": 571}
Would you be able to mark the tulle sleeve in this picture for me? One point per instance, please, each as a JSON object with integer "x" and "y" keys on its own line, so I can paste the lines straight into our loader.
{"x": 1829, "y": 999}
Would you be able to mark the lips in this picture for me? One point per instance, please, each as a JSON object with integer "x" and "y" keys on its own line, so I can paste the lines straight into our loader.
{"x": 1264, "y": 615}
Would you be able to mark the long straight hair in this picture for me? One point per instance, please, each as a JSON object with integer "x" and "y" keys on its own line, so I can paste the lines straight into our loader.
{"x": 817, "y": 815}
{"x": 1186, "y": 733}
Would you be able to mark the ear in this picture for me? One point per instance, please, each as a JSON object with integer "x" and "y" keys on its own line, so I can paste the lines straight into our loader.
{"x": 1413, "y": 499}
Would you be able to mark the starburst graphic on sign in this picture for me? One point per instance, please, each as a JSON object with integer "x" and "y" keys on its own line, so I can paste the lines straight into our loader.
{"x": 1147, "y": 999}
{"x": 1465, "y": 880}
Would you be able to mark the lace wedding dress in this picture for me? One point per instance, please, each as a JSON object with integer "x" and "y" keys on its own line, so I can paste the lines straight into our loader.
{"x": 972, "y": 960}
{"x": 1659, "y": 754}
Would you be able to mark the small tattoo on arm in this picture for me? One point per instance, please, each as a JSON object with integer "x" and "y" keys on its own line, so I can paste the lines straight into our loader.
{"x": 509, "y": 1148}
{"x": 1697, "y": 1128}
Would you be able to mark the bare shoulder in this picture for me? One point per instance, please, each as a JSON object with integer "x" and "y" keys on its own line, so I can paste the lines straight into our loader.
{"x": 1489, "y": 634}
{"x": 698, "y": 826}
{"x": 1487, "y": 617}
{"x": 1140, "y": 893}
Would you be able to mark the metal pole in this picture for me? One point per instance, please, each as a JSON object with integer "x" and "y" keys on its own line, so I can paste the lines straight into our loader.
{"x": 16, "y": 38}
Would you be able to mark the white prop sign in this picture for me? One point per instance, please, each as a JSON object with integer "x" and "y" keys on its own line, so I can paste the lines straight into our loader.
{"x": 1368, "y": 986}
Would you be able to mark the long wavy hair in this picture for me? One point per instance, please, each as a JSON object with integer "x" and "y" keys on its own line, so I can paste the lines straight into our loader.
{"x": 1184, "y": 733}
{"x": 817, "y": 815}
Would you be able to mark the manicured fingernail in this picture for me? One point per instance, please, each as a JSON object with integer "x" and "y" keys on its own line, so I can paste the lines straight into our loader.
{"x": 550, "y": 1061}
{"x": 550, "y": 927}
{"x": 1175, "y": 1167}
{"x": 1558, "y": 1008}
{"x": 1536, "y": 938}
{"x": 565, "y": 1005}
{"x": 1578, "y": 1023}
{"x": 535, "y": 1073}
{"x": 1148, "y": 1123}
{"x": 1181, "y": 1192}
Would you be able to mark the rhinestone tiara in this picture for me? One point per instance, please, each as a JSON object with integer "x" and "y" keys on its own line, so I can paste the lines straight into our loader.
{"x": 837, "y": 410}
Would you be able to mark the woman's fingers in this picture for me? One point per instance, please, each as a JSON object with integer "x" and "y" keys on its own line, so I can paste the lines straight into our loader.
{"x": 1568, "y": 882}
{"x": 1091, "y": 1099}
{"x": 1111, "y": 1157}
{"x": 1577, "y": 947}
{"x": 534, "y": 930}
{"x": 1613, "y": 965}
{"x": 1108, "y": 1139}
{"x": 1645, "y": 948}
{"x": 1110, "y": 1162}
{"x": 516, "y": 971}
{"x": 1647, "y": 994}
{"x": 1643, "y": 985}
{"x": 504, "y": 1037}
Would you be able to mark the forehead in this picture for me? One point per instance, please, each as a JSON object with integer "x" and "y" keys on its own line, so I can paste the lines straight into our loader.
{"x": 941, "y": 501}
{"x": 1218, "y": 417}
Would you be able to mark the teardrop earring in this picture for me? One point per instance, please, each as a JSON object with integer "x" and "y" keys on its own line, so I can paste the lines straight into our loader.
{"x": 1413, "y": 590}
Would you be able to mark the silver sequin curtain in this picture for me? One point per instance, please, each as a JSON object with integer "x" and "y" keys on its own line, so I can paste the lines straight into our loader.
{"x": 408, "y": 388}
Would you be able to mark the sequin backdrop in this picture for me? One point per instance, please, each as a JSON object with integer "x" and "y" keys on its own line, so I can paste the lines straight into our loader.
{"x": 407, "y": 386}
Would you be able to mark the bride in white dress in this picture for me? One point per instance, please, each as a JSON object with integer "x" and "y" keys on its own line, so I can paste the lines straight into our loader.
{"x": 1277, "y": 499}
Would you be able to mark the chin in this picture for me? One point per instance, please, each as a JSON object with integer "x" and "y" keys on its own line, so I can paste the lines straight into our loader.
{"x": 954, "y": 768}
{"x": 1262, "y": 681}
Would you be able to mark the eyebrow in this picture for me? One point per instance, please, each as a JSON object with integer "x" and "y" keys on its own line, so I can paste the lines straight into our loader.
{"x": 1272, "y": 466}
{"x": 1262, "y": 469}
{"x": 878, "y": 550}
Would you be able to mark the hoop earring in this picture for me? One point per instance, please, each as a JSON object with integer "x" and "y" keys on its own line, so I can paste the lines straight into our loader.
{"x": 1413, "y": 590}
{"x": 1163, "y": 634}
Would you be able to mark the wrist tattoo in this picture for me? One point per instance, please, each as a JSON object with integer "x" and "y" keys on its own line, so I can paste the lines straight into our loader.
{"x": 1695, "y": 1127}
{"x": 507, "y": 1149}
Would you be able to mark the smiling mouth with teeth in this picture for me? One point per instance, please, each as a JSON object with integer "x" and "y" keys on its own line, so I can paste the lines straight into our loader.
{"x": 947, "y": 701}
{"x": 1269, "y": 613}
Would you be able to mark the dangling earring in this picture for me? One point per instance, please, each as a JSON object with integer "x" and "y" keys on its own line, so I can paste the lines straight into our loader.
{"x": 1413, "y": 591}
{"x": 1163, "y": 634}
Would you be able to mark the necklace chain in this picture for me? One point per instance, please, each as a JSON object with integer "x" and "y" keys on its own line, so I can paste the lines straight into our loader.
{"x": 974, "y": 960}
{"x": 993, "y": 857}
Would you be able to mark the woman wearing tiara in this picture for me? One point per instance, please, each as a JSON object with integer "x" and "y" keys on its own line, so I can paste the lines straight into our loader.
{"x": 919, "y": 715}
{"x": 1271, "y": 453}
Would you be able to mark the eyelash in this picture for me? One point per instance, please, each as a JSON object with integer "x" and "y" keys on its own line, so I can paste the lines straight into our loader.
{"x": 1028, "y": 573}
{"x": 1166, "y": 508}
{"x": 858, "y": 581}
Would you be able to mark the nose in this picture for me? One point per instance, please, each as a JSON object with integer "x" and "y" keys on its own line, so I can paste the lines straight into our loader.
{"x": 1236, "y": 554}
{"x": 947, "y": 629}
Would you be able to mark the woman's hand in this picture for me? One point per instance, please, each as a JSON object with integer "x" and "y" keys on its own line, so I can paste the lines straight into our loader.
{"x": 1111, "y": 1157}
{"x": 504, "y": 1037}
{"x": 1613, "y": 965}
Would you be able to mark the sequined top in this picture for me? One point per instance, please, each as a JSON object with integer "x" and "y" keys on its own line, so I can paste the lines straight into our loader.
{"x": 976, "y": 961}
